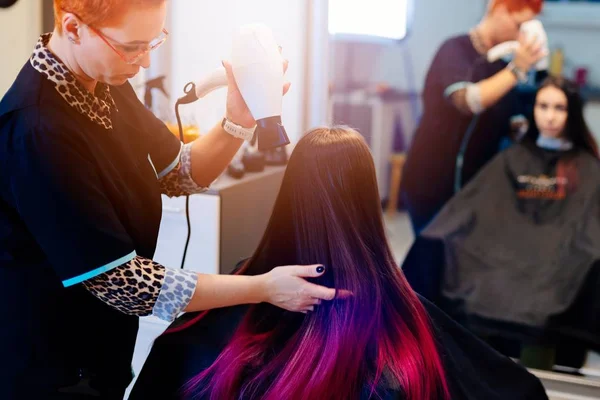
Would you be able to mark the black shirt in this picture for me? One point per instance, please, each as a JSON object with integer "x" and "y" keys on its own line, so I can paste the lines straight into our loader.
{"x": 77, "y": 197}
{"x": 428, "y": 175}
{"x": 474, "y": 371}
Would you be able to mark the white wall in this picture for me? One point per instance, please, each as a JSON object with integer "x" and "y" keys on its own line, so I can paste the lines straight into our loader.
{"x": 434, "y": 21}
{"x": 201, "y": 36}
{"x": 316, "y": 95}
{"x": 20, "y": 26}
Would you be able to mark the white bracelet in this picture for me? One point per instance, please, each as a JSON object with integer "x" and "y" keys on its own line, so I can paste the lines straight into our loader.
{"x": 237, "y": 131}
{"x": 473, "y": 98}
{"x": 518, "y": 73}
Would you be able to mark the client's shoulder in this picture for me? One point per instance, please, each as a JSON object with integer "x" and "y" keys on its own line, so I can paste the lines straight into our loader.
{"x": 197, "y": 339}
{"x": 589, "y": 161}
{"x": 218, "y": 324}
{"x": 190, "y": 345}
{"x": 473, "y": 369}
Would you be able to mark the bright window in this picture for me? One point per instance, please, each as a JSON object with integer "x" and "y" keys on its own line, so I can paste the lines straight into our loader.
{"x": 369, "y": 19}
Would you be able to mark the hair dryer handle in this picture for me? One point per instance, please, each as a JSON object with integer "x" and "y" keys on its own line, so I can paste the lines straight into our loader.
{"x": 217, "y": 79}
{"x": 506, "y": 48}
{"x": 502, "y": 50}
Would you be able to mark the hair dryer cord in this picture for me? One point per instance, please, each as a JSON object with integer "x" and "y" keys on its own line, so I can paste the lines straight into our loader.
{"x": 187, "y": 197}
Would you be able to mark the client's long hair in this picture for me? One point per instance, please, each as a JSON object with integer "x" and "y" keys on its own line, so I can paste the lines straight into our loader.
{"x": 328, "y": 211}
{"x": 576, "y": 130}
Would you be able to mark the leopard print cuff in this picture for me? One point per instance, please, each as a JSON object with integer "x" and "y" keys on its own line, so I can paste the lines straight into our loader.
{"x": 143, "y": 287}
{"x": 179, "y": 182}
{"x": 177, "y": 291}
{"x": 132, "y": 288}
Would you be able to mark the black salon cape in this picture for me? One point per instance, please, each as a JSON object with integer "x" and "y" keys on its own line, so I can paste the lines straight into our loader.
{"x": 474, "y": 371}
{"x": 511, "y": 254}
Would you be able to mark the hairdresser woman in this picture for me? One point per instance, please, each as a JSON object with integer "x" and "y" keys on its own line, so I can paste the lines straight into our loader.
{"x": 463, "y": 93}
{"x": 82, "y": 168}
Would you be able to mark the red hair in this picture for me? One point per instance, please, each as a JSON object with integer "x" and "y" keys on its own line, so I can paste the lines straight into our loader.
{"x": 519, "y": 5}
{"x": 95, "y": 12}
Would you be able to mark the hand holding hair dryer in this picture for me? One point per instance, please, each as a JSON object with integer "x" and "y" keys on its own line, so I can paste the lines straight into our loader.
{"x": 258, "y": 71}
{"x": 533, "y": 28}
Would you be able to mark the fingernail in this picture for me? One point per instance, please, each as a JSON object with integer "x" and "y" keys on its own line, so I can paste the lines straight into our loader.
{"x": 223, "y": 63}
{"x": 320, "y": 269}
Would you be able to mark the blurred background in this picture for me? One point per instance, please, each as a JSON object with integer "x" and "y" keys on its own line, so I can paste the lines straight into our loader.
{"x": 354, "y": 62}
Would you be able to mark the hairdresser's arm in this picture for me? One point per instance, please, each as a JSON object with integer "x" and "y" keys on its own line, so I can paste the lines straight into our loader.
{"x": 211, "y": 154}
{"x": 283, "y": 287}
{"x": 479, "y": 96}
{"x": 144, "y": 287}
{"x": 214, "y": 151}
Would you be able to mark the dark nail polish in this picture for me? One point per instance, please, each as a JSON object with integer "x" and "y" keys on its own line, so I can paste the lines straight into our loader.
{"x": 320, "y": 269}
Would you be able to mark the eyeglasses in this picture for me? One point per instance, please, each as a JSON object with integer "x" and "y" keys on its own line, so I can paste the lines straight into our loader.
{"x": 130, "y": 54}
{"x": 133, "y": 55}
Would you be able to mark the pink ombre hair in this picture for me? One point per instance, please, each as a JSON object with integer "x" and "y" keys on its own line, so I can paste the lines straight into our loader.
{"x": 328, "y": 211}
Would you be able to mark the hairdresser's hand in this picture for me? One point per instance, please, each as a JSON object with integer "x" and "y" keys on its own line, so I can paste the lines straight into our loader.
{"x": 237, "y": 110}
{"x": 529, "y": 52}
{"x": 286, "y": 288}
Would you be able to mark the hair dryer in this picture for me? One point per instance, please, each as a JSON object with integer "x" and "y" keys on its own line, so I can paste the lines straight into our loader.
{"x": 258, "y": 71}
{"x": 529, "y": 28}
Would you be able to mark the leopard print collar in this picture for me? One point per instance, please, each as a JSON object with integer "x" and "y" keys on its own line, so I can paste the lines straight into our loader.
{"x": 96, "y": 107}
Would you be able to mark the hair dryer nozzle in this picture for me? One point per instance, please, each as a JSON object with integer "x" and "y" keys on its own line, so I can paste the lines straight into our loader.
{"x": 271, "y": 133}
